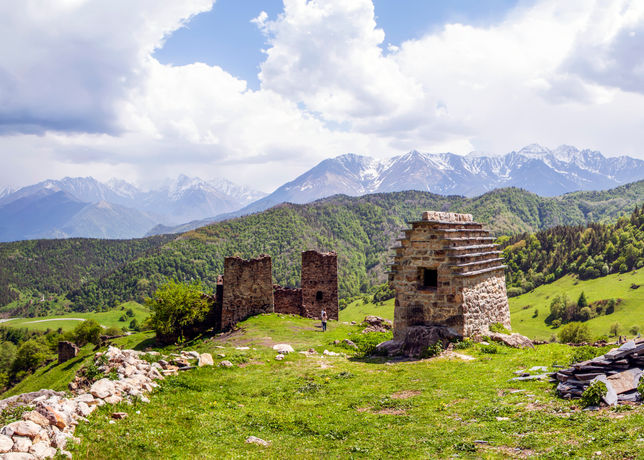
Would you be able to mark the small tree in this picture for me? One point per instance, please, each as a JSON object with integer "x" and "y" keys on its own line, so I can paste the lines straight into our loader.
{"x": 634, "y": 330}
{"x": 614, "y": 329}
{"x": 582, "y": 302}
{"x": 585, "y": 314}
{"x": 177, "y": 309}
{"x": 134, "y": 325}
{"x": 574, "y": 333}
{"x": 88, "y": 331}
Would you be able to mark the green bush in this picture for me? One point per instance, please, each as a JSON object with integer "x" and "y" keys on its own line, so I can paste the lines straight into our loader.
{"x": 500, "y": 328}
{"x": 634, "y": 330}
{"x": 433, "y": 350}
{"x": 489, "y": 349}
{"x": 574, "y": 333}
{"x": 367, "y": 343}
{"x": 464, "y": 344}
{"x": 88, "y": 331}
{"x": 640, "y": 389}
{"x": 592, "y": 396}
{"x": 177, "y": 311}
{"x": 31, "y": 355}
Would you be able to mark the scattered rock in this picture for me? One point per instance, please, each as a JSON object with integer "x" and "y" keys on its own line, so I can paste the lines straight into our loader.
{"x": 514, "y": 340}
{"x": 376, "y": 324}
{"x": 6, "y": 443}
{"x": 191, "y": 354}
{"x": 279, "y": 357}
{"x": 119, "y": 415}
{"x": 242, "y": 348}
{"x": 205, "y": 359}
{"x": 23, "y": 428}
{"x": 258, "y": 441}
{"x": 102, "y": 388}
{"x": 225, "y": 363}
{"x": 350, "y": 343}
{"x": 331, "y": 353}
{"x": 283, "y": 348}
{"x": 36, "y": 417}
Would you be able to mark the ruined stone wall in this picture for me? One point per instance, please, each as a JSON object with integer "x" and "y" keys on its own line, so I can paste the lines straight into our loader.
{"x": 319, "y": 284}
{"x": 287, "y": 301}
{"x": 247, "y": 289}
{"x": 66, "y": 351}
{"x": 466, "y": 291}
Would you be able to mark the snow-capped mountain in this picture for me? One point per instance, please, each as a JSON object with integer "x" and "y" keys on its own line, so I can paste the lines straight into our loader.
{"x": 534, "y": 168}
{"x": 83, "y": 206}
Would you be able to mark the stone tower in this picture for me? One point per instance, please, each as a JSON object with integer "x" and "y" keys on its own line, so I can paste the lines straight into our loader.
{"x": 319, "y": 284}
{"x": 247, "y": 289}
{"x": 448, "y": 272}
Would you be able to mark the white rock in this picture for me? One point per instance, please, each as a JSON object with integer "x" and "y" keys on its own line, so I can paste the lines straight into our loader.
{"x": 6, "y": 443}
{"x": 283, "y": 348}
{"x": 225, "y": 363}
{"x": 83, "y": 409}
{"x": 279, "y": 357}
{"x": 17, "y": 456}
{"x": 205, "y": 359}
{"x": 258, "y": 441}
{"x": 86, "y": 398}
{"x": 22, "y": 428}
{"x": 21, "y": 444}
{"x": 102, "y": 388}
{"x": 331, "y": 353}
{"x": 191, "y": 354}
{"x": 42, "y": 450}
{"x": 242, "y": 348}
{"x": 114, "y": 399}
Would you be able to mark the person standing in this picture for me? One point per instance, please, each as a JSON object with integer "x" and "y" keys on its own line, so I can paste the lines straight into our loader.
{"x": 324, "y": 318}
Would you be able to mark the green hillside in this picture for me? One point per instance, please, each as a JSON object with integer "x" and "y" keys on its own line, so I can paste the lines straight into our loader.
{"x": 360, "y": 229}
{"x": 628, "y": 313}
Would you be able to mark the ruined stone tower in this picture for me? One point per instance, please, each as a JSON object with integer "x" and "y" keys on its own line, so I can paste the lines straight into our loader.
{"x": 319, "y": 284}
{"x": 447, "y": 271}
{"x": 247, "y": 289}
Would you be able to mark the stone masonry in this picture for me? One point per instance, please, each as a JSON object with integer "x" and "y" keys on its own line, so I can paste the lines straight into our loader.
{"x": 247, "y": 289}
{"x": 66, "y": 351}
{"x": 447, "y": 271}
{"x": 319, "y": 284}
{"x": 287, "y": 301}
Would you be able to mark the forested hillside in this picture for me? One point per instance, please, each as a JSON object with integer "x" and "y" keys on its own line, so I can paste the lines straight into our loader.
{"x": 588, "y": 251}
{"x": 360, "y": 229}
{"x": 30, "y": 270}
{"x": 97, "y": 274}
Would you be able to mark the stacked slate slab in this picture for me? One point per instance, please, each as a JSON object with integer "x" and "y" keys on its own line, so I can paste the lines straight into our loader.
{"x": 620, "y": 369}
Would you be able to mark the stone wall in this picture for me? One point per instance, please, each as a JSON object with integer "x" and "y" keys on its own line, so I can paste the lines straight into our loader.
{"x": 447, "y": 271}
{"x": 247, "y": 289}
{"x": 319, "y": 284}
{"x": 287, "y": 301}
{"x": 66, "y": 351}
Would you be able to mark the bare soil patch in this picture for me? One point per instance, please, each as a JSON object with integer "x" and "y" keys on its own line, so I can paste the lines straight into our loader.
{"x": 406, "y": 394}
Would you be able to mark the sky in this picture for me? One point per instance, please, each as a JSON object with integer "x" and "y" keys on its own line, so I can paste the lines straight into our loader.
{"x": 259, "y": 91}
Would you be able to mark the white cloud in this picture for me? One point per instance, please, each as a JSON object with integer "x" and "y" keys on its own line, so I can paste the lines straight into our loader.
{"x": 81, "y": 75}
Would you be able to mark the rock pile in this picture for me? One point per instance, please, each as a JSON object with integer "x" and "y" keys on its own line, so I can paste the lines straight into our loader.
{"x": 50, "y": 424}
{"x": 620, "y": 369}
{"x": 376, "y": 324}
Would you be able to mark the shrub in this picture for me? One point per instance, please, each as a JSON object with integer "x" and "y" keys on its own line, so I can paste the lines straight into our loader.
{"x": 367, "y": 343}
{"x": 498, "y": 327}
{"x": 634, "y": 330}
{"x": 134, "y": 325}
{"x": 129, "y": 312}
{"x": 383, "y": 292}
{"x": 556, "y": 323}
{"x": 112, "y": 331}
{"x": 31, "y": 355}
{"x": 584, "y": 353}
{"x": 433, "y": 350}
{"x": 123, "y": 318}
{"x": 536, "y": 313}
{"x": 88, "y": 331}
{"x": 592, "y": 396}
{"x": 489, "y": 349}
{"x": 640, "y": 388}
{"x": 574, "y": 333}
{"x": 465, "y": 343}
{"x": 585, "y": 314}
{"x": 177, "y": 311}
{"x": 610, "y": 309}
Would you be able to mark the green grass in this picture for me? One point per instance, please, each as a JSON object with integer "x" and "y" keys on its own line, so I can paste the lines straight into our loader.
{"x": 339, "y": 407}
{"x": 628, "y": 313}
{"x": 357, "y": 310}
{"x": 108, "y": 318}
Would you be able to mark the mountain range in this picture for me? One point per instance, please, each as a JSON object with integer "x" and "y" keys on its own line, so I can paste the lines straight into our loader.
{"x": 533, "y": 168}
{"x": 85, "y": 207}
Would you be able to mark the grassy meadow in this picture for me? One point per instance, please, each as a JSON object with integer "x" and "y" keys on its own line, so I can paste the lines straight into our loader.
{"x": 628, "y": 313}
{"x": 70, "y": 320}
{"x": 353, "y": 407}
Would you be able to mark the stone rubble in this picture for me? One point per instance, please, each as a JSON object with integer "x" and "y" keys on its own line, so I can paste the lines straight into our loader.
{"x": 49, "y": 426}
{"x": 620, "y": 369}
{"x": 376, "y": 324}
